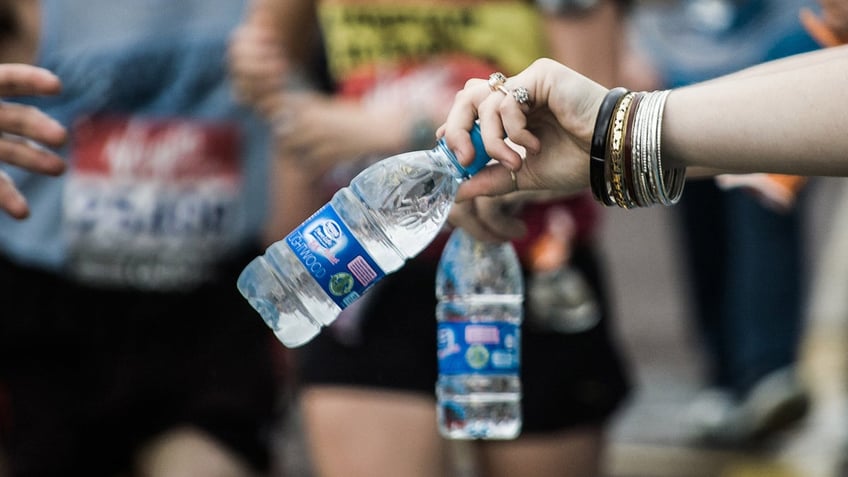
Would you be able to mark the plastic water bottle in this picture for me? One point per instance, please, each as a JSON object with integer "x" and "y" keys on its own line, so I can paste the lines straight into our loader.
{"x": 388, "y": 214}
{"x": 480, "y": 290}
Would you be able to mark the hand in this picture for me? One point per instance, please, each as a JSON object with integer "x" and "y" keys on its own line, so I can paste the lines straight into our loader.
{"x": 492, "y": 219}
{"x": 24, "y": 130}
{"x": 322, "y": 131}
{"x": 831, "y": 28}
{"x": 257, "y": 61}
{"x": 555, "y": 129}
{"x": 835, "y": 15}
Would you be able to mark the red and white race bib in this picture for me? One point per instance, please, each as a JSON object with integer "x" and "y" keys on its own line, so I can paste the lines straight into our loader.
{"x": 150, "y": 203}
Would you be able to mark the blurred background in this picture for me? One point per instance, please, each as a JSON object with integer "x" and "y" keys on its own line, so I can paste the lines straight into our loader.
{"x": 789, "y": 418}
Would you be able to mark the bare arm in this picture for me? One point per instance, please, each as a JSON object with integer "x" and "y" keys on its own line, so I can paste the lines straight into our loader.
{"x": 788, "y": 117}
{"x": 785, "y": 117}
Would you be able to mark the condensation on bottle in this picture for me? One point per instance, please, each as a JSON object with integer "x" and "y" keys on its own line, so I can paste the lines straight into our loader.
{"x": 388, "y": 214}
{"x": 480, "y": 290}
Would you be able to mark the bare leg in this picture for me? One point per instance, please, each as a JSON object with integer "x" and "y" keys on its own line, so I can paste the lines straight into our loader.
{"x": 573, "y": 453}
{"x": 370, "y": 433}
{"x": 189, "y": 452}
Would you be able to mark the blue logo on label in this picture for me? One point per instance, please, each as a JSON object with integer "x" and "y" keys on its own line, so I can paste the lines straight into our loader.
{"x": 478, "y": 347}
{"x": 327, "y": 234}
{"x": 333, "y": 256}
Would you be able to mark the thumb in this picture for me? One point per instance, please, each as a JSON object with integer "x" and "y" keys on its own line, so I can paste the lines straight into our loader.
{"x": 492, "y": 180}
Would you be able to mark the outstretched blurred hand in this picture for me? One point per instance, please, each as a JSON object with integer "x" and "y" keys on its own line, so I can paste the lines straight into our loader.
{"x": 257, "y": 62}
{"x": 26, "y": 130}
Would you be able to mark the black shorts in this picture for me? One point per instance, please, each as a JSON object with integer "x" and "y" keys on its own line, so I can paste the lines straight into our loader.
{"x": 91, "y": 374}
{"x": 568, "y": 380}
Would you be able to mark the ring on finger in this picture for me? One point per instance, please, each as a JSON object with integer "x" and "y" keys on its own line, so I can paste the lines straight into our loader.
{"x": 497, "y": 81}
{"x": 514, "y": 178}
{"x": 521, "y": 95}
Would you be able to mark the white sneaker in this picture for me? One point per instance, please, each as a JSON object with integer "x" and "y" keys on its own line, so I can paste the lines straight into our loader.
{"x": 709, "y": 414}
{"x": 774, "y": 403}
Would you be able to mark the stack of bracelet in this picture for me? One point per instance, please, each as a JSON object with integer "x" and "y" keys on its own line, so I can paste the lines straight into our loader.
{"x": 626, "y": 163}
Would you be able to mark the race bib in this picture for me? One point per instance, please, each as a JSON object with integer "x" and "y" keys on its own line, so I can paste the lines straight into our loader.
{"x": 150, "y": 203}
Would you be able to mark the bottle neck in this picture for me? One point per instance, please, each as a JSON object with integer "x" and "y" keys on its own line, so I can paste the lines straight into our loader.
{"x": 458, "y": 172}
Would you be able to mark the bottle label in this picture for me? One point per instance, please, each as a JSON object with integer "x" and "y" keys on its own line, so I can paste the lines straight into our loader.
{"x": 333, "y": 256}
{"x": 478, "y": 348}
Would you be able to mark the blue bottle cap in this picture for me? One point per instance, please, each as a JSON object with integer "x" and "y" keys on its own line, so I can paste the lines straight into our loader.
{"x": 481, "y": 157}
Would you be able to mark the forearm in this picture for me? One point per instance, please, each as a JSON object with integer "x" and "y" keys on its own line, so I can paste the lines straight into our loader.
{"x": 791, "y": 120}
{"x": 783, "y": 64}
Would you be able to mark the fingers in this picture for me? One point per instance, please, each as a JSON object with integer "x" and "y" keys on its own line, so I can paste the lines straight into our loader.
{"x": 498, "y": 216}
{"x": 461, "y": 119}
{"x": 32, "y": 123}
{"x": 506, "y": 113}
{"x": 513, "y": 115}
{"x": 257, "y": 65}
{"x": 488, "y": 219}
{"x": 501, "y": 112}
{"x": 26, "y": 154}
{"x": 818, "y": 29}
{"x": 471, "y": 103}
{"x": 463, "y": 216}
{"x": 24, "y": 128}
{"x": 27, "y": 80}
{"x": 492, "y": 180}
{"x": 11, "y": 199}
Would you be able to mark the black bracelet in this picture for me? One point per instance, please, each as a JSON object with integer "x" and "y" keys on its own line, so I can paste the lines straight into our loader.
{"x": 598, "y": 151}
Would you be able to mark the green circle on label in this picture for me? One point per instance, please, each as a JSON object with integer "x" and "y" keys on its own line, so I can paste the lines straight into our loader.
{"x": 477, "y": 356}
{"x": 341, "y": 283}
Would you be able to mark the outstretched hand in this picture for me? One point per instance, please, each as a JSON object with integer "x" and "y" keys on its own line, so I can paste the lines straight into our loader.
{"x": 554, "y": 128}
{"x": 26, "y": 130}
{"x": 257, "y": 62}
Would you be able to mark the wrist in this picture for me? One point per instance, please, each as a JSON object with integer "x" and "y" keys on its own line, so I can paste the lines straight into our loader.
{"x": 627, "y": 167}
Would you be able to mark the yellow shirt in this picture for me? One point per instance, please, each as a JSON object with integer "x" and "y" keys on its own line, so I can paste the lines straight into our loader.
{"x": 373, "y": 34}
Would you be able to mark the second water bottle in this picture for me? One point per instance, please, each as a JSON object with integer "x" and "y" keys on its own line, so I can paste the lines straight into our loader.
{"x": 480, "y": 290}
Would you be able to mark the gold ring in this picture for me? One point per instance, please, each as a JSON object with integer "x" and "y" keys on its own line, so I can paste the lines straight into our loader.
{"x": 514, "y": 178}
{"x": 496, "y": 79}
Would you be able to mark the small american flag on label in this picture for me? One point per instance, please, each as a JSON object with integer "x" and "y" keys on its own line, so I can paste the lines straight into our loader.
{"x": 361, "y": 270}
{"x": 482, "y": 334}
